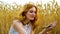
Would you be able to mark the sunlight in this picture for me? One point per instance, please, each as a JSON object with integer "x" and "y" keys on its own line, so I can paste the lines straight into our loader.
{"x": 27, "y": 1}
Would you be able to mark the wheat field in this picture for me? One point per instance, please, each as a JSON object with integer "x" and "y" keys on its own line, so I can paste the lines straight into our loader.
{"x": 46, "y": 13}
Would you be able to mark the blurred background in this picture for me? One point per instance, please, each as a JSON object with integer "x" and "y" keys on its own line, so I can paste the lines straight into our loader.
{"x": 48, "y": 11}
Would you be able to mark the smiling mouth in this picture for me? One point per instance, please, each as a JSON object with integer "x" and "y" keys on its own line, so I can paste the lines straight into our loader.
{"x": 32, "y": 16}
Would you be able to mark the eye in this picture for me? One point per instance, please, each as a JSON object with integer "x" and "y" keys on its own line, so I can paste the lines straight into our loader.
{"x": 31, "y": 11}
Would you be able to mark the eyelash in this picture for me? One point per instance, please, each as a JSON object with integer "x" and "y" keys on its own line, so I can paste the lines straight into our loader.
{"x": 32, "y": 11}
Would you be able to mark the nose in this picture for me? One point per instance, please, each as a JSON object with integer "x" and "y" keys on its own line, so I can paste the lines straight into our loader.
{"x": 34, "y": 14}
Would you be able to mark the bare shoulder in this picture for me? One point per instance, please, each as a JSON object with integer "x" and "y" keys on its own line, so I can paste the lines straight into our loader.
{"x": 17, "y": 22}
{"x": 18, "y": 26}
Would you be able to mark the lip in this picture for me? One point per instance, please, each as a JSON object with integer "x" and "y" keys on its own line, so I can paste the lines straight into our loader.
{"x": 32, "y": 16}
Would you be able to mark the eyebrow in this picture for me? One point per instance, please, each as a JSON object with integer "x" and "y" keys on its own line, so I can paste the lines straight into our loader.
{"x": 32, "y": 10}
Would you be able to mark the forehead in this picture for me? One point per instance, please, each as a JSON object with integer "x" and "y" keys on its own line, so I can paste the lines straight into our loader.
{"x": 33, "y": 9}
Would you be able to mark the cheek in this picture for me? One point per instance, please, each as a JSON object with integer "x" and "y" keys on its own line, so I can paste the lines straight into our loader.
{"x": 28, "y": 15}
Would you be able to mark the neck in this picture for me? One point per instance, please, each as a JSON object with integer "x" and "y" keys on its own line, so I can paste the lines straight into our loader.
{"x": 26, "y": 21}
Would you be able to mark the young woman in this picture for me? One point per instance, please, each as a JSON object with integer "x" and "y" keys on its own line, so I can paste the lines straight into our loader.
{"x": 25, "y": 23}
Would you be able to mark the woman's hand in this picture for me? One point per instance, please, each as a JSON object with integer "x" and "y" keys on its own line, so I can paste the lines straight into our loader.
{"x": 49, "y": 27}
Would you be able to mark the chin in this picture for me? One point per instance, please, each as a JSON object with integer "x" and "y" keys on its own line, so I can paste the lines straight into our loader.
{"x": 32, "y": 19}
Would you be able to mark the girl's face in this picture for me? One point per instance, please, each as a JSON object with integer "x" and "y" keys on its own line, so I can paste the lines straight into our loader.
{"x": 31, "y": 13}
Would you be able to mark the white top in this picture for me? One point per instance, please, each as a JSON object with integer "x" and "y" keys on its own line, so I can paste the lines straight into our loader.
{"x": 27, "y": 27}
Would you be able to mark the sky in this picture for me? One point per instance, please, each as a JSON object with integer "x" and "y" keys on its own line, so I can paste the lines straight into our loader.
{"x": 27, "y": 1}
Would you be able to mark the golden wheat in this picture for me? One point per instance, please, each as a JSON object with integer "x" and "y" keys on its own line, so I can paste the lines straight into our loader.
{"x": 45, "y": 16}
